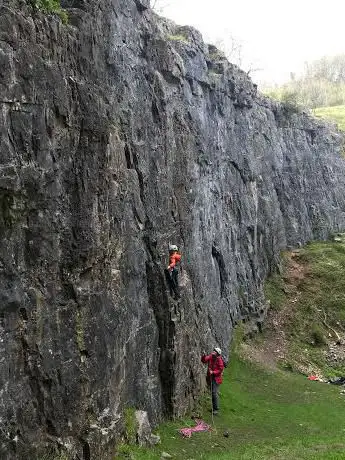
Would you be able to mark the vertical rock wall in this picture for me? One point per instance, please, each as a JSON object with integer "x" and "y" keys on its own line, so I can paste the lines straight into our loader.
{"x": 120, "y": 133}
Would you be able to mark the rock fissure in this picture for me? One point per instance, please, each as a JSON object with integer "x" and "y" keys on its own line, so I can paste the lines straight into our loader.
{"x": 159, "y": 301}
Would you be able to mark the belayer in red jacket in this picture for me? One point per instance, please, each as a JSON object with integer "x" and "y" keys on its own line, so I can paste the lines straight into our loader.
{"x": 172, "y": 270}
{"x": 214, "y": 374}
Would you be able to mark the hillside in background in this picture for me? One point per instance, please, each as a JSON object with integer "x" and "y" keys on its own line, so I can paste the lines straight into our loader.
{"x": 305, "y": 327}
{"x": 321, "y": 85}
{"x": 335, "y": 114}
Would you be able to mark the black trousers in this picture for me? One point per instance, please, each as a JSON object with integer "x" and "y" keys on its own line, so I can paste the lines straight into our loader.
{"x": 172, "y": 278}
{"x": 215, "y": 396}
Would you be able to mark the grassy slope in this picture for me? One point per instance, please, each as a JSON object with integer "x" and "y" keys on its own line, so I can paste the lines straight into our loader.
{"x": 276, "y": 414}
{"x": 336, "y": 114}
{"x": 319, "y": 313}
{"x": 269, "y": 415}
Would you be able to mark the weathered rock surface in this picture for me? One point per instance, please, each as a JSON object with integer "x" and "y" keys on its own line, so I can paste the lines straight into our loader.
{"x": 120, "y": 133}
{"x": 144, "y": 436}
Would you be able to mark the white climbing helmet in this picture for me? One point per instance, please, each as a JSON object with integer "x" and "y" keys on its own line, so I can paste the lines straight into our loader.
{"x": 218, "y": 350}
{"x": 173, "y": 247}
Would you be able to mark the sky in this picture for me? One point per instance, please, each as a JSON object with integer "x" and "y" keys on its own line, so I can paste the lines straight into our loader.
{"x": 276, "y": 36}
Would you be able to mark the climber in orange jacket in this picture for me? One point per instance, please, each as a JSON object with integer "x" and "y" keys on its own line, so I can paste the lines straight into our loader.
{"x": 174, "y": 261}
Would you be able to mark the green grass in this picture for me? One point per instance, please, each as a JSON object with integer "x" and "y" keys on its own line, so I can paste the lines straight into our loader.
{"x": 277, "y": 414}
{"x": 178, "y": 38}
{"x": 322, "y": 295}
{"x": 336, "y": 114}
{"x": 269, "y": 415}
{"x": 130, "y": 425}
{"x": 320, "y": 308}
{"x": 274, "y": 291}
{"x": 324, "y": 287}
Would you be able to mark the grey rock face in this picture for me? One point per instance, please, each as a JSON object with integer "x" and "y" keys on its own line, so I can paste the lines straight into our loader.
{"x": 119, "y": 134}
{"x": 144, "y": 434}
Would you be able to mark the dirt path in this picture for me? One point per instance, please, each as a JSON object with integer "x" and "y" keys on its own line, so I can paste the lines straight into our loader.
{"x": 272, "y": 347}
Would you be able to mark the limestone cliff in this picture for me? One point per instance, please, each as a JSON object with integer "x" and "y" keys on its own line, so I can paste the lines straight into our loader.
{"x": 120, "y": 133}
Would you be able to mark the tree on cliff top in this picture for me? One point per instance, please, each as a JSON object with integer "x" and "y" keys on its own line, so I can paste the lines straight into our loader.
{"x": 158, "y": 5}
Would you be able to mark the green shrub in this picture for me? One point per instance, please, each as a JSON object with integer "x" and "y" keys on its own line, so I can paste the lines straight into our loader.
{"x": 318, "y": 336}
{"x": 310, "y": 93}
{"x": 178, "y": 38}
{"x": 291, "y": 101}
{"x": 51, "y": 6}
{"x": 216, "y": 55}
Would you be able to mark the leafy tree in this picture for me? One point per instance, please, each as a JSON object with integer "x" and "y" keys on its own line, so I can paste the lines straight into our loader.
{"x": 329, "y": 68}
{"x": 235, "y": 52}
{"x": 321, "y": 85}
{"x": 159, "y": 5}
